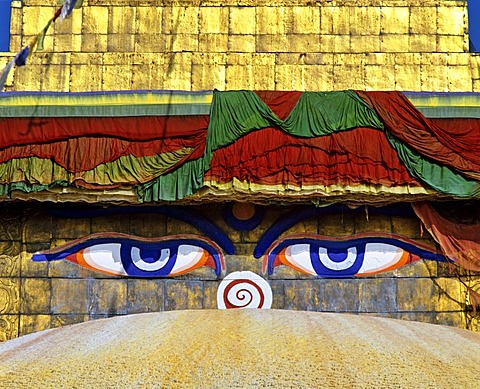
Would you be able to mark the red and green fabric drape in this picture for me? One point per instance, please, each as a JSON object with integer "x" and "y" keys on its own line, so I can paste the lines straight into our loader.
{"x": 169, "y": 145}
{"x": 306, "y": 145}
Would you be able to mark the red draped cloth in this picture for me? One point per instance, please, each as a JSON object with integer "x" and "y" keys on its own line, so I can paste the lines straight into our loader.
{"x": 270, "y": 156}
{"x": 456, "y": 146}
{"x": 27, "y": 131}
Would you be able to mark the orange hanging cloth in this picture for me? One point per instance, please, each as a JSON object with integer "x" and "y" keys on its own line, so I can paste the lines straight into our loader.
{"x": 459, "y": 242}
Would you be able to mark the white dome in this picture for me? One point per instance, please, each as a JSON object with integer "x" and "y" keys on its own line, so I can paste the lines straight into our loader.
{"x": 243, "y": 348}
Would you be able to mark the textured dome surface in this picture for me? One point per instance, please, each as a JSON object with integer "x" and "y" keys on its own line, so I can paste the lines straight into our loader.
{"x": 243, "y": 348}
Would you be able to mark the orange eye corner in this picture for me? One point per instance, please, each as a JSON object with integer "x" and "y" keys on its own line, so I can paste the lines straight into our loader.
{"x": 124, "y": 255}
{"x": 341, "y": 257}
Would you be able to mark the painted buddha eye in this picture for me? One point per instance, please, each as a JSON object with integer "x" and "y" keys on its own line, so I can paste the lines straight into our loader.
{"x": 125, "y": 255}
{"x": 360, "y": 255}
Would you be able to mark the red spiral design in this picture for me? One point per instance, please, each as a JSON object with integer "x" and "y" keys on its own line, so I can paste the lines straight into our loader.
{"x": 234, "y": 283}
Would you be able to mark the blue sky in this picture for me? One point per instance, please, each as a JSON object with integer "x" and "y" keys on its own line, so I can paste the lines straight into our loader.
{"x": 474, "y": 22}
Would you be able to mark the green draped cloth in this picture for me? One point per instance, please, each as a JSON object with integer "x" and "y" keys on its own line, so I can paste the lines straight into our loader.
{"x": 441, "y": 178}
{"x": 236, "y": 113}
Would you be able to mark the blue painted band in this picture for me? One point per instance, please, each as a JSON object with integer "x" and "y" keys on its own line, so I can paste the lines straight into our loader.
{"x": 187, "y": 215}
{"x": 288, "y": 220}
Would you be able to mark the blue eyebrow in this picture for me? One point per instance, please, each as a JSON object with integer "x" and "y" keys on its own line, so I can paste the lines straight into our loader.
{"x": 289, "y": 219}
{"x": 194, "y": 218}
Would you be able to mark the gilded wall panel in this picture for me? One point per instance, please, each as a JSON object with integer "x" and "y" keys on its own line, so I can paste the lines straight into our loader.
{"x": 108, "y": 297}
{"x": 10, "y": 253}
{"x": 70, "y": 296}
{"x": 8, "y": 327}
{"x": 33, "y": 323}
{"x": 145, "y": 295}
{"x": 175, "y": 31}
{"x": 35, "y": 295}
{"x": 269, "y": 45}
{"x": 9, "y": 295}
{"x": 45, "y": 295}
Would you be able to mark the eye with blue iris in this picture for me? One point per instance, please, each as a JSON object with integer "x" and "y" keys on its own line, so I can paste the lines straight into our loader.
{"x": 359, "y": 255}
{"x": 125, "y": 255}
